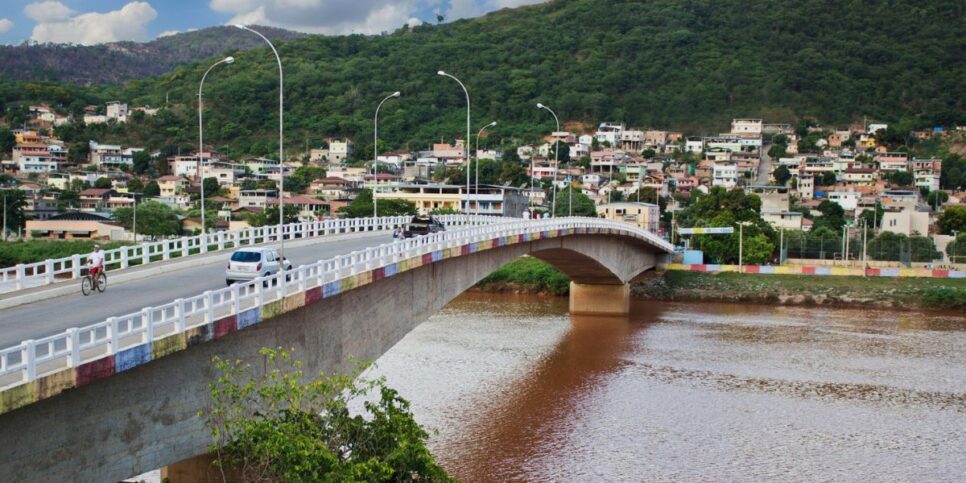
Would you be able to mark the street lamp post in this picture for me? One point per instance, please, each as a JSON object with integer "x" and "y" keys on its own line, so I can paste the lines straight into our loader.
{"x": 201, "y": 146}
{"x": 281, "y": 145}
{"x": 466, "y": 144}
{"x": 375, "y": 152}
{"x": 556, "y": 166}
{"x": 478, "y": 134}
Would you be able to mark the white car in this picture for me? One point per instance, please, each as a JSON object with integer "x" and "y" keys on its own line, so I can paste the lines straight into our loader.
{"x": 250, "y": 263}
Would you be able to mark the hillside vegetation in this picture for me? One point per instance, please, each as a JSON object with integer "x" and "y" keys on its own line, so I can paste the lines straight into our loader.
{"x": 685, "y": 64}
{"x": 119, "y": 62}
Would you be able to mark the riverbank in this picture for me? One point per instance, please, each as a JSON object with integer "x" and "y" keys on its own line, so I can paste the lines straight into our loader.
{"x": 531, "y": 275}
{"x": 526, "y": 275}
{"x": 871, "y": 292}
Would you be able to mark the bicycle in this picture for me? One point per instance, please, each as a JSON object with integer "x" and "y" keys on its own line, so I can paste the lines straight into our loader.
{"x": 89, "y": 283}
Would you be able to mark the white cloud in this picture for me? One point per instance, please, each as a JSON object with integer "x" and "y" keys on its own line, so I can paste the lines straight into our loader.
{"x": 321, "y": 16}
{"x": 46, "y": 12}
{"x": 168, "y": 33}
{"x": 128, "y": 23}
{"x": 5, "y": 25}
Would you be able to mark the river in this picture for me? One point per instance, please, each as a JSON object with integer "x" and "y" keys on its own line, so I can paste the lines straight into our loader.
{"x": 516, "y": 389}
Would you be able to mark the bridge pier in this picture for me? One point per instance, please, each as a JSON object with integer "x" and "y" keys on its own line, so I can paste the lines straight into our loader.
{"x": 592, "y": 299}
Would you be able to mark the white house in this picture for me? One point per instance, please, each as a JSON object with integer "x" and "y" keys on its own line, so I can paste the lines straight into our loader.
{"x": 848, "y": 200}
{"x": 725, "y": 174}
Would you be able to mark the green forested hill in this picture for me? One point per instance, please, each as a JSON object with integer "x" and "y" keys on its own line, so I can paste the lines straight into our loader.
{"x": 684, "y": 64}
{"x": 119, "y": 62}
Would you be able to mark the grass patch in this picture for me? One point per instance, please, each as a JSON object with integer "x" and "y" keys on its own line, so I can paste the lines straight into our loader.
{"x": 931, "y": 293}
{"x": 527, "y": 274}
{"x": 30, "y": 251}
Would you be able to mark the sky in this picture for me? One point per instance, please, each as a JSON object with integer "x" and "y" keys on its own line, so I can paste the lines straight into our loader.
{"x": 90, "y": 22}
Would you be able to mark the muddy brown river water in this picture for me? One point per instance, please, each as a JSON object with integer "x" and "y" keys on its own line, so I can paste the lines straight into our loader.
{"x": 515, "y": 389}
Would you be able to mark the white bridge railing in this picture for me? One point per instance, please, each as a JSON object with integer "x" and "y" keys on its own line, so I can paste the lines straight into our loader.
{"x": 35, "y": 358}
{"x": 54, "y": 270}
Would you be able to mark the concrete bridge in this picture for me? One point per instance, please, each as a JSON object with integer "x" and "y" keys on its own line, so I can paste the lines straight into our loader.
{"x": 120, "y": 397}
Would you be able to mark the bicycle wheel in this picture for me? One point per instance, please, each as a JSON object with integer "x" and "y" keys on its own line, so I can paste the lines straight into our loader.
{"x": 86, "y": 286}
{"x": 101, "y": 282}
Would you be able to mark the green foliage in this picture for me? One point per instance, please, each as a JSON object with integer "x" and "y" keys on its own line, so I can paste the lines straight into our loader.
{"x": 898, "y": 247}
{"x": 361, "y": 206}
{"x": 767, "y": 59}
{"x": 833, "y": 216}
{"x": 30, "y": 251}
{"x": 154, "y": 219}
{"x": 757, "y": 249}
{"x": 944, "y": 298}
{"x": 304, "y": 175}
{"x": 13, "y": 204}
{"x": 900, "y": 178}
{"x": 937, "y": 198}
{"x": 7, "y": 141}
{"x": 141, "y": 162}
{"x": 210, "y": 186}
{"x": 872, "y": 218}
{"x": 957, "y": 249}
{"x": 103, "y": 183}
{"x": 720, "y": 208}
{"x": 280, "y": 424}
{"x": 953, "y": 219}
{"x": 152, "y": 189}
{"x": 444, "y": 211}
{"x": 527, "y": 273}
{"x": 782, "y": 175}
{"x": 269, "y": 216}
{"x": 582, "y": 204}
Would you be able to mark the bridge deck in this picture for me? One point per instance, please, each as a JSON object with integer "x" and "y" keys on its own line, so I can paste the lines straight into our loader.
{"x": 40, "y": 319}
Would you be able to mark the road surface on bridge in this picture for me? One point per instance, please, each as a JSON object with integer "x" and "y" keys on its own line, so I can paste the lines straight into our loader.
{"x": 40, "y": 319}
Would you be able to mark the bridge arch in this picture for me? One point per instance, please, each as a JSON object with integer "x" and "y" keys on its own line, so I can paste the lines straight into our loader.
{"x": 147, "y": 417}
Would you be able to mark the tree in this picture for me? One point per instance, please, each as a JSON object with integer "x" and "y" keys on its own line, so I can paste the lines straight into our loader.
{"x": 873, "y": 217}
{"x": 280, "y": 424}
{"x": 78, "y": 185}
{"x": 103, "y": 183}
{"x": 953, "y": 219}
{"x": 211, "y": 186}
{"x": 303, "y": 176}
{"x": 583, "y": 205}
{"x": 937, "y": 198}
{"x": 833, "y": 216}
{"x": 14, "y": 203}
{"x": 782, "y": 175}
{"x": 141, "y": 162}
{"x": 269, "y": 216}
{"x": 154, "y": 219}
{"x": 361, "y": 206}
{"x": 649, "y": 153}
{"x": 957, "y": 249}
{"x": 900, "y": 178}
{"x": 7, "y": 141}
{"x": 561, "y": 150}
{"x": 152, "y": 189}
{"x": 68, "y": 200}
{"x": 135, "y": 185}
{"x": 648, "y": 194}
{"x": 757, "y": 249}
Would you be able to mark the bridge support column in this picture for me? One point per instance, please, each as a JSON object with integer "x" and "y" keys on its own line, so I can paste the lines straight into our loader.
{"x": 588, "y": 299}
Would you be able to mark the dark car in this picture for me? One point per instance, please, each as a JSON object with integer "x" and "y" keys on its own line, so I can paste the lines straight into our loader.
{"x": 423, "y": 225}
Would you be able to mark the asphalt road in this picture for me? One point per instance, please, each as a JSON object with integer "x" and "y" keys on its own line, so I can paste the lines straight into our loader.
{"x": 40, "y": 319}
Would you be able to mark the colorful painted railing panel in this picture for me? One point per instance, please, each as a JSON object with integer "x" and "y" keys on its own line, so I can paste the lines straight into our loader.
{"x": 821, "y": 271}
{"x": 29, "y": 275}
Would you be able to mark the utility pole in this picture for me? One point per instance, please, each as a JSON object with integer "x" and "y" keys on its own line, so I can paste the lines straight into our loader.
{"x": 4, "y": 216}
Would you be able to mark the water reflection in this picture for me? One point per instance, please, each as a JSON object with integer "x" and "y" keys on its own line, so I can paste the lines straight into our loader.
{"x": 518, "y": 390}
